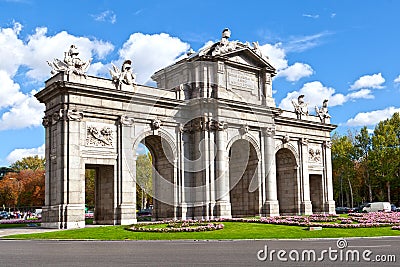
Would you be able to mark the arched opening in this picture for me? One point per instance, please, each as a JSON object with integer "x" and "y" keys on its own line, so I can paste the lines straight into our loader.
{"x": 162, "y": 174}
{"x": 243, "y": 179}
{"x": 286, "y": 179}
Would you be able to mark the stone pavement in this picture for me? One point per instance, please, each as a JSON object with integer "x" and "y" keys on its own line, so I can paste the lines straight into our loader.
{"x": 24, "y": 230}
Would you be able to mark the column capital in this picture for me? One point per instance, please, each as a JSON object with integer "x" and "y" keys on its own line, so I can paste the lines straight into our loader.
{"x": 46, "y": 121}
{"x": 74, "y": 115}
{"x": 126, "y": 121}
{"x": 304, "y": 141}
{"x": 269, "y": 131}
{"x": 328, "y": 144}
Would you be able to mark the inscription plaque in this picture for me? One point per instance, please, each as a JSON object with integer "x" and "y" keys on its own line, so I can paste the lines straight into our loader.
{"x": 242, "y": 80}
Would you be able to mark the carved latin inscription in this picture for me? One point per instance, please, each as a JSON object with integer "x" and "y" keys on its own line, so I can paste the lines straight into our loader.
{"x": 242, "y": 80}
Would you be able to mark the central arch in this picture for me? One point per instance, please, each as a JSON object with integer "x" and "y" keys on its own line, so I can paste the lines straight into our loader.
{"x": 244, "y": 179}
{"x": 163, "y": 184}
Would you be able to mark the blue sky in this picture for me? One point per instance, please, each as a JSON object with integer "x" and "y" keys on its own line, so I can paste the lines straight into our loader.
{"x": 346, "y": 51}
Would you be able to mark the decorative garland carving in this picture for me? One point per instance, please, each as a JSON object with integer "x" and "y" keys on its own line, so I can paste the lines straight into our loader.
{"x": 314, "y": 155}
{"x": 99, "y": 137}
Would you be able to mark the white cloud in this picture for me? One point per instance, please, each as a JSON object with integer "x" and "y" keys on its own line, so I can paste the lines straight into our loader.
{"x": 9, "y": 91}
{"x": 277, "y": 57}
{"x": 19, "y": 109}
{"x": 25, "y": 113}
{"x": 372, "y": 117}
{"x": 12, "y": 49}
{"x": 374, "y": 81}
{"x": 151, "y": 53}
{"x": 303, "y": 43}
{"x": 315, "y": 92}
{"x": 311, "y": 16}
{"x": 363, "y": 93}
{"x": 296, "y": 71}
{"x": 397, "y": 80}
{"x": 20, "y": 153}
{"x": 42, "y": 48}
{"x": 108, "y": 16}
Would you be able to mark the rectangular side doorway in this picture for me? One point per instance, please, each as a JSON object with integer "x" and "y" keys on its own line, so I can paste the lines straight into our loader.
{"x": 316, "y": 193}
{"x": 99, "y": 193}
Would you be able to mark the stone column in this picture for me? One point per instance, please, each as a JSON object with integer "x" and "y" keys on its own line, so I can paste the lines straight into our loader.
{"x": 126, "y": 187}
{"x": 223, "y": 205}
{"x": 181, "y": 172}
{"x": 329, "y": 205}
{"x": 271, "y": 205}
{"x": 47, "y": 202}
{"x": 65, "y": 207}
{"x": 305, "y": 204}
{"x": 74, "y": 211}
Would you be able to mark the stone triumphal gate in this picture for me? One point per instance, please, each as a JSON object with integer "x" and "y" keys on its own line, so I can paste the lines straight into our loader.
{"x": 220, "y": 147}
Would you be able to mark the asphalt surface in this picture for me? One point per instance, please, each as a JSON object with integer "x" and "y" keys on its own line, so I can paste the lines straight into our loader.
{"x": 383, "y": 251}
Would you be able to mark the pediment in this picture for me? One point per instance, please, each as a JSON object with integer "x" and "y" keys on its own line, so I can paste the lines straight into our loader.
{"x": 246, "y": 56}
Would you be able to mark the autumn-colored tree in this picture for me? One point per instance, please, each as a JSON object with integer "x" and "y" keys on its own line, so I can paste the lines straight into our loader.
{"x": 8, "y": 191}
{"x": 32, "y": 190}
{"x": 25, "y": 187}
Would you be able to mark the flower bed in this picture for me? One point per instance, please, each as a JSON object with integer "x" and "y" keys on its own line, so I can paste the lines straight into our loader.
{"x": 19, "y": 221}
{"x": 178, "y": 226}
{"x": 356, "y": 220}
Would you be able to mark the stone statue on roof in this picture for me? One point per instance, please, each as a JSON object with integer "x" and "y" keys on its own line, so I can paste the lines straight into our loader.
{"x": 71, "y": 64}
{"x": 123, "y": 76}
{"x": 300, "y": 107}
{"x": 323, "y": 111}
{"x": 224, "y": 45}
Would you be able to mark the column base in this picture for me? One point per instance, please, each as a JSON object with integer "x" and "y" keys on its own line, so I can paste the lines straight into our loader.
{"x": 306, "y": 208}
{"x": 223, "y": 210}
{"x": 62, "y": 216}
{"x": 126, "y": 215}
{"x": 270, "y": 208}
{"x": 329, "y": 207}
{"x": 183, "y": 211}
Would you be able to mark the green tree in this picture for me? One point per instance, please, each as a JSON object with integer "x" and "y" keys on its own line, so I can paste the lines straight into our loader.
{"x": 144, "y": 187}
{"x": 90, "y": 180}
{"x": 362, "y": 149}
{"x": 386, "y": 154}
{"x": 33, "y": 163}
{"x": 343, "y": 168}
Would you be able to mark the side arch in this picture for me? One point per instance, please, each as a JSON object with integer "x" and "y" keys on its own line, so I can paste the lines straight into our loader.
{"x": 248, "y": 137}
{"x": 163, "y": 151}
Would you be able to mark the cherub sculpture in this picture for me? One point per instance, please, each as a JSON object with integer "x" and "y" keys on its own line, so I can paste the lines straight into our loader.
{"x": 323, "y": 111}
{"x": 123, "y": 76}
{"x": 71, "y": 64}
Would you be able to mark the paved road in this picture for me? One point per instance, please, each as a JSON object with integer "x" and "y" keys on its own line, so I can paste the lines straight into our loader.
{"x": 199, "y": 253}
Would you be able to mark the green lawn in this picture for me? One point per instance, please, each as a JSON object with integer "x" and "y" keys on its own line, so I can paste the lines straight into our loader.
{"x": 232, "y": 230}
